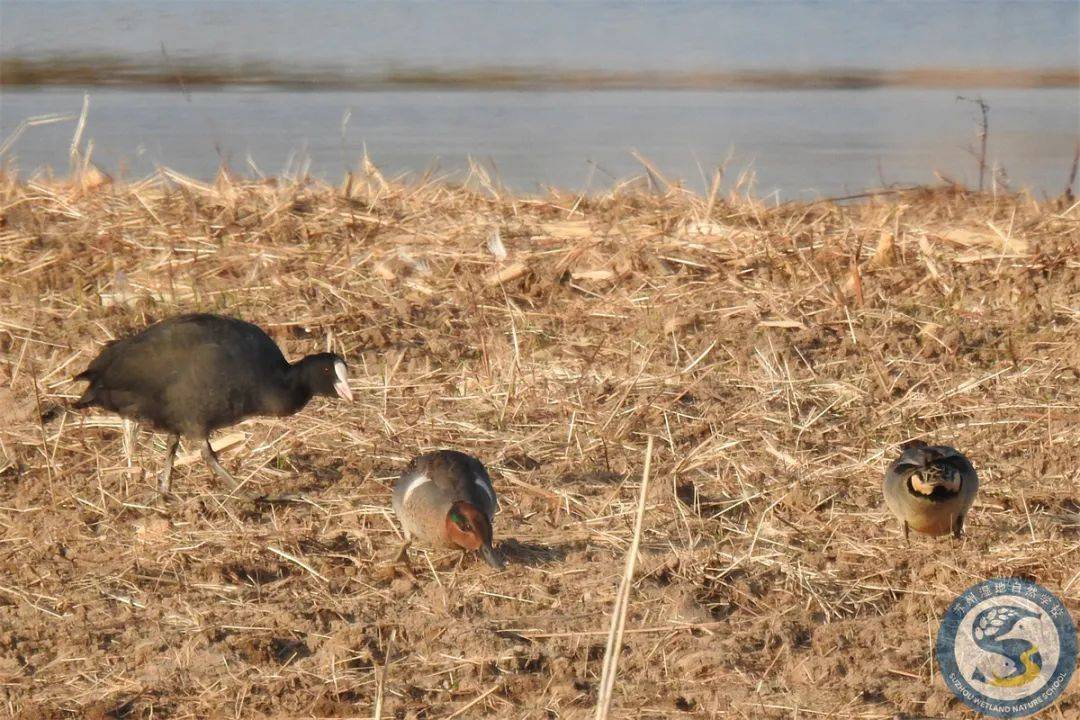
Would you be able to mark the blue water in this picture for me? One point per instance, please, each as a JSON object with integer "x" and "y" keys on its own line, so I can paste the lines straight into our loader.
{"x": 796, "y": 143}
{"x": 561, "y": 34}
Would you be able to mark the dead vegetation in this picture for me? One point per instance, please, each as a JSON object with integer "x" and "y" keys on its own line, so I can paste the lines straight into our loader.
{"x": 777, "y": 356}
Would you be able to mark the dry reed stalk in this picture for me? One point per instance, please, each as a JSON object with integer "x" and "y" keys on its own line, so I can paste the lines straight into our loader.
{"x": 506, "y": 274}
{"x": 622, "y": 600}
{"x": 383, "y": 672}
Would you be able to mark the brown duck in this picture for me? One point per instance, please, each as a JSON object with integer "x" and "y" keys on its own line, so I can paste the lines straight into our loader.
{"x": 930, "y": 489}
{"x": 446, "y": 499}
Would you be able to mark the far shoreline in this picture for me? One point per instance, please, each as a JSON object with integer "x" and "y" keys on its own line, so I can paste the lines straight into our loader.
{"x": 123, "y": 73}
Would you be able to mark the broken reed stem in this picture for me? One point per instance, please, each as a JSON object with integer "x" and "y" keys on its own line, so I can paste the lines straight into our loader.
{"x": 380, "y": 689}
{"x": 293, "y": 559}
{"x": 618, "y": 615}
{"x": 41, "y": 428}
{"x": 76, "y": 139}
{"x": 473, "y": 702}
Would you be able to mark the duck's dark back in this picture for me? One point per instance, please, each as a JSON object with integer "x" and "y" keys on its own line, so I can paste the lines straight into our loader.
{"x": 189, "y": 374}
{"x": 454, "y": 476}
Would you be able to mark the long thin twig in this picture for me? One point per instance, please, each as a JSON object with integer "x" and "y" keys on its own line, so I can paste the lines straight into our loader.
{"x": 984, "y": 134}
{"x": 474, "y": 701}
{"x": 293, "y": 559}
{"x": 618, "y": 615}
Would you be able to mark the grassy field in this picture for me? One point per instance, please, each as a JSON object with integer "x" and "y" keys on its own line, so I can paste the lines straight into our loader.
{"x": 777, "y": 355}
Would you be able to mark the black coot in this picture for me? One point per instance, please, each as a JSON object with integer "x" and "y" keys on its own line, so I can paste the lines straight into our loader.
{"x": 193, "y": 374}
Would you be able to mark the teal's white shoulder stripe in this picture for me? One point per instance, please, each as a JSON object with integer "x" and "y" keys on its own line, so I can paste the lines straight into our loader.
{"x": 414, "y": 482}
{"x": 487, "y": 489}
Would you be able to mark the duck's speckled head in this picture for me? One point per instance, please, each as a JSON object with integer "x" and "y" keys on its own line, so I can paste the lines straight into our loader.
{"x": 943, "y": 475}
{"x": 934, "y": 472}
{"x": 468, "y": 528}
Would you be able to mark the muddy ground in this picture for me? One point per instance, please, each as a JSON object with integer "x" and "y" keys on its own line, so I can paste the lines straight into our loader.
{"x": 777, "y": 355}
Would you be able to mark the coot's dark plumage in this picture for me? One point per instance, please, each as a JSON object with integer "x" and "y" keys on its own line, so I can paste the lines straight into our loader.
{"x": 193, "y": 374}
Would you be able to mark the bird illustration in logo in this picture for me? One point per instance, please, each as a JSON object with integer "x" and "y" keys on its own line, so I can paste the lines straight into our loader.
{"x": 988, "y": 631}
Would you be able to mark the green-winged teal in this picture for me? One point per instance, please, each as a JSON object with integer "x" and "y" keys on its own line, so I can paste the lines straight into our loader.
{"x": 446, "y": 499}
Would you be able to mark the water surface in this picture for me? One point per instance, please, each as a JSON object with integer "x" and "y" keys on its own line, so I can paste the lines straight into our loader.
{"x": 562, "y": 34}
{"x": 796, "y": 142}
{"x": 810, "y": 142}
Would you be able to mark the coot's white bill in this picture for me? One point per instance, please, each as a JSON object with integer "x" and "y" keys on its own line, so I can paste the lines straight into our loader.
{"x": 342, "y": 384}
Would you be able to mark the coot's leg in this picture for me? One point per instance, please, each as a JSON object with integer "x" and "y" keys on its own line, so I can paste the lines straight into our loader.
{"x": 211, "y": 459}
{"x": 165, "y": 481}
{"x": 128, "y": 439}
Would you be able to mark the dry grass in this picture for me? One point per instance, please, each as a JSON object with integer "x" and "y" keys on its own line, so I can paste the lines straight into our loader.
{"x": 777, "y": 356}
